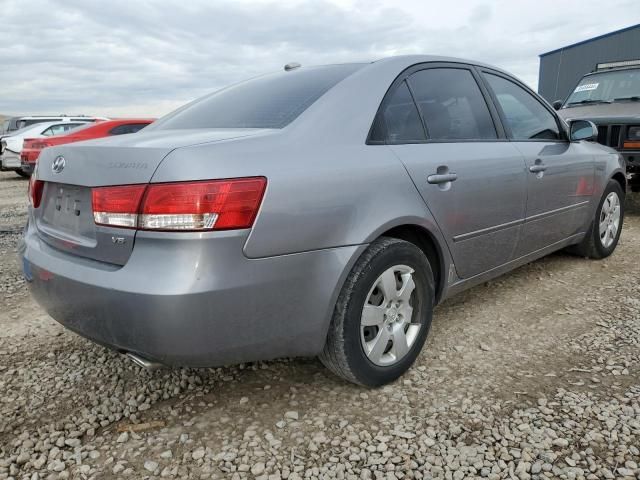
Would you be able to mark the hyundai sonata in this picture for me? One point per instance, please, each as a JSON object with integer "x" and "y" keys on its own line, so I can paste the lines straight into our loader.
{"x": 315, "y": 211}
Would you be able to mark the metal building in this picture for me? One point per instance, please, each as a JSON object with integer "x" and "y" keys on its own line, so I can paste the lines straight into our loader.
{"x": 561, "y": 69}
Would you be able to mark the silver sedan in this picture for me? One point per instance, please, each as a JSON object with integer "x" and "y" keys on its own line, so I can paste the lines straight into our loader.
{"x": 315, "y": 211}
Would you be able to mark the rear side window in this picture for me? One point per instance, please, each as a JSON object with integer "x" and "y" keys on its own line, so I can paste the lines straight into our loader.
{"x": 72, "y": 126}
{"x": 526, "y": 117}
{"x": 452, "y": 105}
{"x": 270, "y": 101}
{"x": 54, "y": 130}
{"x": 127, "y": 128}
{"x": 399, "y": 121}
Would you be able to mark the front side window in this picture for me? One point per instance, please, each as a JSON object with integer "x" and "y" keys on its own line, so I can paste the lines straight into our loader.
{"x": 452, "y": 105}
{"x": 270, "y": 101}
{"x": 525, "y": 116}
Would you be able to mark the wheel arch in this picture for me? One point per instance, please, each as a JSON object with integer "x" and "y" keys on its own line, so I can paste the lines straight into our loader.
{"x": 621, "y": 179}
{"x": 427, "y": 242}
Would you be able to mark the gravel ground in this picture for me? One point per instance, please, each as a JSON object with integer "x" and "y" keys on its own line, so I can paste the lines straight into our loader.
{"x": 533, "y": 375}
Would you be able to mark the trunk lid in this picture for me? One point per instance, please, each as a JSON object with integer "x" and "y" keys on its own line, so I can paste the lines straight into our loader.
{"x": 64, "y": 219}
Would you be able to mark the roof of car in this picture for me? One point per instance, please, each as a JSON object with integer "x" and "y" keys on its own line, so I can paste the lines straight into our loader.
{"x": 413, "y": 59}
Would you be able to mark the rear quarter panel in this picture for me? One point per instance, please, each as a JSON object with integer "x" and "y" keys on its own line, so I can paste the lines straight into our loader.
{"x": 318, "y": 196}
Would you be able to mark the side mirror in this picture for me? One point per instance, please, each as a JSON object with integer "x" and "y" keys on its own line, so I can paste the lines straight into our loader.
{"x": 582, "y": 130}
{"x": 557, "y": 104}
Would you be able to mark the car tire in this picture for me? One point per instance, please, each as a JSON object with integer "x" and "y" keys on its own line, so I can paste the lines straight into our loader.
{"x": 22, "y": 174}
{"x": 371, "y": 339}
{"x": 598, "y": 245}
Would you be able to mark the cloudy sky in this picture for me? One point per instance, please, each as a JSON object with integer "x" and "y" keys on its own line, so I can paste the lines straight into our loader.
{"x": 139, "y": 57}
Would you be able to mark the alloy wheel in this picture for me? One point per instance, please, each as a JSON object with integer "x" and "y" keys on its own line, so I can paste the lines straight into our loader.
{"x": 609, "y": 219}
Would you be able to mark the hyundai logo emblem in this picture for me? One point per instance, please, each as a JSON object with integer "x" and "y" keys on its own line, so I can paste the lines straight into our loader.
{"x": 58, "y": 164}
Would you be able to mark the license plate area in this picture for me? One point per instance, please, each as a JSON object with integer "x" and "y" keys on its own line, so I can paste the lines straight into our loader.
{"x": 65, "y": 222}
{"x": 67, "y": 210}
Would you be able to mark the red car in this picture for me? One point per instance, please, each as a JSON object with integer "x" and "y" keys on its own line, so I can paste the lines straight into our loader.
{"x": 32, "y": 146}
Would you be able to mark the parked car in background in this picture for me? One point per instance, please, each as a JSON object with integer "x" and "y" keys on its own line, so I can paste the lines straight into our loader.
{"x": 316, "y": 211}
{"x": 11, "y": 145}
{"x": 9, "y": 125}
{"x": 16, "y": 123}
{"x": 32, "y": 120}
{"x": 32, "y": 146}
{"x": 610, "y": 97}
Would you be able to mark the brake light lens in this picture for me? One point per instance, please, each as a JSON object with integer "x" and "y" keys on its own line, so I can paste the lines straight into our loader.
{"x": 187, "y": 206}
{"x": 117, "y": 206}
{"x": 35, "y": 191}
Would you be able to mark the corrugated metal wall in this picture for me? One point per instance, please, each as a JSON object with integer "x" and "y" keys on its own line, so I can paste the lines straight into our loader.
{"x": 561, "y": 69}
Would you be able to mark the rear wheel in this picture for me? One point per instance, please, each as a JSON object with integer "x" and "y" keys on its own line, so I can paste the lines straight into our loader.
{"x": 383, "y": 314}
{"x": 22, "y": 174}
{"x": 603, "y": 236}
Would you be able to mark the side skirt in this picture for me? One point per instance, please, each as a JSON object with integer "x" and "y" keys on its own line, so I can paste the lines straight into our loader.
{"x": 460, "y": 285}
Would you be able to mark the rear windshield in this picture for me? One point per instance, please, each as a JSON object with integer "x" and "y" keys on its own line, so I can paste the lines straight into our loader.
{"x": 269, "y": 101}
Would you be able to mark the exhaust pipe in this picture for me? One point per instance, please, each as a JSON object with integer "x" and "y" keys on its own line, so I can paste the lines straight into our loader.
{"x": 143, "y": 362}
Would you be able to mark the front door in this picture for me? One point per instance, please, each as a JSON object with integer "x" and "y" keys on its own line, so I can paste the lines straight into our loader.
{"x": 472, "y": 180}
{"x": 560, "y": 174}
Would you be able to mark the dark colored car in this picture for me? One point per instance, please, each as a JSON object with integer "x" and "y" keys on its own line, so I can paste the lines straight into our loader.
{"x": 610, "y": 98}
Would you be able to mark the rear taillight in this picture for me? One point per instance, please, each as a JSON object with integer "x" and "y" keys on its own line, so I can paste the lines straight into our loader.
{"x": 35, "y": 191}
{"x": 117, "y": 206}
{"x": 191, "y": 206}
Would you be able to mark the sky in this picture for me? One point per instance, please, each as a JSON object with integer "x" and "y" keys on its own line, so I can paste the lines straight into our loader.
{"x": 148, "y": 57}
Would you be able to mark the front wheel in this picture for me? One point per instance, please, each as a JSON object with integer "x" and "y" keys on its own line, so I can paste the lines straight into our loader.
{"x": 383, "y": 314}
{"x": 604, "y": 234}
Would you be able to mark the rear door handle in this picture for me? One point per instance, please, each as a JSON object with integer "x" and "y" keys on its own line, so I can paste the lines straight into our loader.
{"x": 442, "y": 178}
{"x": 538, "y": 166}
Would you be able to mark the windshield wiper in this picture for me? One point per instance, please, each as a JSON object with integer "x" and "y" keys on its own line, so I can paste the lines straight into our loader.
{"x": 634, "y": 98}
{"x": 587, "y": 101}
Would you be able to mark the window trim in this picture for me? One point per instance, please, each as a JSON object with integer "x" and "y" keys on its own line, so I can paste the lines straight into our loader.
{"x": 564, "y": 138}
{"x": 501, "y": 134}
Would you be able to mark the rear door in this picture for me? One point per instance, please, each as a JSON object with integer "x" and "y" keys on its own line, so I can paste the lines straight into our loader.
{"x": 473, "y": 180}
{"x": 560, "y": 174}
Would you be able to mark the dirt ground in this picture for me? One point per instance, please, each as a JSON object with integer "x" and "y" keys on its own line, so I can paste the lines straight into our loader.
{"x": 533, "y": 375}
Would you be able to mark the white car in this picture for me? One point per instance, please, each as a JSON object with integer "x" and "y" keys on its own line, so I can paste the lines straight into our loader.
{"x": 11, "y": 145}
{"x": 22, "y": 122}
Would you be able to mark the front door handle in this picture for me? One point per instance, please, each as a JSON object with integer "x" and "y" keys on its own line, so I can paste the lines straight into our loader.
{"x": 442, "y": 178}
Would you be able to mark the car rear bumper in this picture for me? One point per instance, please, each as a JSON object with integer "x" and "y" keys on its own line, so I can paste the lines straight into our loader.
{"x": 10, "y": 161}
{"x": 192, "y": 299}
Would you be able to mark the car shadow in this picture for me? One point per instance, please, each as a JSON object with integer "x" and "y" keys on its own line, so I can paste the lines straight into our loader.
{"x": 632, "y": 204}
